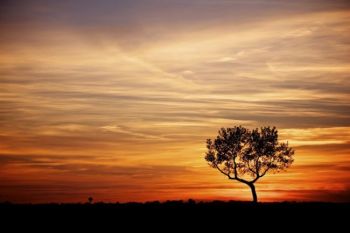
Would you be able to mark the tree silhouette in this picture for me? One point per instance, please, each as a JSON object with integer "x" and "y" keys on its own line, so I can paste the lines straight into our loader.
{"x": 247, "y": 155}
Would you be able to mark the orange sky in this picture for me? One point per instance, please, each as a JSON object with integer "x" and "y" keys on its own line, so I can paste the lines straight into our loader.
{"x": 115, "y": 99}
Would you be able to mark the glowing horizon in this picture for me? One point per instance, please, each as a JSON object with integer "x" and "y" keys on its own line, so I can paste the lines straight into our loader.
{"x": 115, "y": 99}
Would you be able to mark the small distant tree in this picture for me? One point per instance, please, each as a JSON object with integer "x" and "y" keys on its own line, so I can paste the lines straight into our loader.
{"x": 90, "y": 200}
{"x": 247, "y": 155}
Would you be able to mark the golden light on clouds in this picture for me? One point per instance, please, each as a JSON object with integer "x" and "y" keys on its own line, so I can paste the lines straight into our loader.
{"x": 118, "y": 106}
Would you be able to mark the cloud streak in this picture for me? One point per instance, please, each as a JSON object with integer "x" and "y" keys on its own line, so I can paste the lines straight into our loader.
{"x": 139, "y": 86}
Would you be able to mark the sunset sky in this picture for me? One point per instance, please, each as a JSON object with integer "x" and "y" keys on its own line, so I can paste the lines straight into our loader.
{"x": 115, "y": 99}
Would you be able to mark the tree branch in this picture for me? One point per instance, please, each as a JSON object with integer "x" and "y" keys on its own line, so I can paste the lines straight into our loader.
{"x": 265, "y": 172}
{"x": 257, "y": 167}
{"x": 250, "y": 169}
{"x": 235, "y": 167}
{"x": 226, "y": 174}
{"x": 232, "y": 178}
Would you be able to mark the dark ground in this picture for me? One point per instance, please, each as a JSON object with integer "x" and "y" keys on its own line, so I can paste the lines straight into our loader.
{"x": 179, "y": 214}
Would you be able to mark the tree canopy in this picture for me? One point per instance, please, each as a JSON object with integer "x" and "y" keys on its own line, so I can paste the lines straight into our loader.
{"x": 247, "y": 155}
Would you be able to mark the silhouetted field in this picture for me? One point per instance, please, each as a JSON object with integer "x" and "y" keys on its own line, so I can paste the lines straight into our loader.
{"x": 288, "y": 214}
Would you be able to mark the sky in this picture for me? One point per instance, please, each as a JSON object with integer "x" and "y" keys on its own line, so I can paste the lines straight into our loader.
{"x": 115, "y": 99}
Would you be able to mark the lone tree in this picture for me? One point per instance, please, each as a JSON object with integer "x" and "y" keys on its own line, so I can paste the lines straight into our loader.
{"x": 247, "y": 155}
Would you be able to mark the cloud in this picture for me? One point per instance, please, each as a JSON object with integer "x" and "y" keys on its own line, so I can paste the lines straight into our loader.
{"x": 226, "y": 59}
{"x": 317, "y": 136}
{"x": 320, "y": 195}
{"x": 131, "y": 132}
{"x": 95, "y": 166}
{"x": 139, "y": 86}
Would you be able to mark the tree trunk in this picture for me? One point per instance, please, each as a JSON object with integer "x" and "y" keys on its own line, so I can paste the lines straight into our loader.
{"x": 255, "y": 197}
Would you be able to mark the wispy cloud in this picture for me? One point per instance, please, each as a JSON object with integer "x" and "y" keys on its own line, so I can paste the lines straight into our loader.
{"x": 143, "y": 84}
